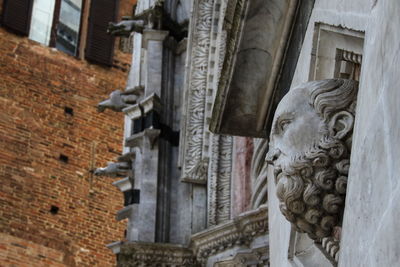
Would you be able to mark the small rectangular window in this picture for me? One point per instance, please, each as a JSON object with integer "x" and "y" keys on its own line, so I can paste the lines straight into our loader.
{"x": 57, "y": 23}
{"x": 68, "y": 26}
{"x": 57, "y": 19}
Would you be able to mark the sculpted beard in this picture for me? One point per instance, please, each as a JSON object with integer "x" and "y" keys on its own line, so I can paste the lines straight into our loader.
{"x": 320, "y": 171}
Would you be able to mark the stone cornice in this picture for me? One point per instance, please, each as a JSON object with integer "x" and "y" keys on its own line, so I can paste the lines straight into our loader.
{"x": 154, "y": 254}
{"x": 239, "y": 231}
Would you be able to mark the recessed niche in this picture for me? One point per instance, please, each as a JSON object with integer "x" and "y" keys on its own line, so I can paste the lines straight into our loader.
{"x": 63, "y": 158}
{"x": 69, "y": 111}
{"x": 54, "y": 209}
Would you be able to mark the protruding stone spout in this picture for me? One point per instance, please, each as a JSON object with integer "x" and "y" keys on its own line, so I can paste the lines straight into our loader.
{"x": 125, "y": 27}
{"x": 118, "y": 101}
{"x": 114, "y": 169}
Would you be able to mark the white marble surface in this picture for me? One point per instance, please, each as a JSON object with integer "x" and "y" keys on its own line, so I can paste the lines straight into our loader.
{"x": 371, "y": 221}
{"x": 370, "y": 228}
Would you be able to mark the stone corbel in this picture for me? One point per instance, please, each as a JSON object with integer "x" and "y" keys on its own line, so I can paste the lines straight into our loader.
{"x": 151, "y": 103}
{"x": 153, "y": 35}
{"x": 137, "y": 140}
{"x": 123, "y": 185}
{"x": 238, "y": 232}
{"x": 126, "y": 212}
{"x": 137, "y": 90}
{"x": 152, "y": 16}
{"x": 115, "y": 246}
{"x": 198, "y": 174}
{"x": 133, "y": 112}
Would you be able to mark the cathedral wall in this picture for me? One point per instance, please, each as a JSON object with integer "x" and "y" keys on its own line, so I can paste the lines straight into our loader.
{"x": 372, "y": 213}
{"x": 350, "y": 18}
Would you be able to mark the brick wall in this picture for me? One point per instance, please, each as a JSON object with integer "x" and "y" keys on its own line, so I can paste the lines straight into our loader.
{"x": 53, "y": 212}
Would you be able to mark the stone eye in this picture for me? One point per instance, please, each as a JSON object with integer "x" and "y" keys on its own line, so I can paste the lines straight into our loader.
{"x": 283, "y": 124}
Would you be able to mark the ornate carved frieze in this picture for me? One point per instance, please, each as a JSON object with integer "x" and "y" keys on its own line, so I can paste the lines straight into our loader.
{"x": 310, "y": 148}
{"x": 206, "y": 157}
{"x": 238, "y": 232}
{"x": 196, "y": 85}
{"x": 155, "y": 254}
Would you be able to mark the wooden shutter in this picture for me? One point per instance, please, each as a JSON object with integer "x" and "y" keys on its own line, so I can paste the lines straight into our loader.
{"x": 99, "y": 44}
{"x": 17, "y": 15}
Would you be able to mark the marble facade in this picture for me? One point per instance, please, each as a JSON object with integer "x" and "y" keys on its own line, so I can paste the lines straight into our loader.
{"x": 205, "y": 71}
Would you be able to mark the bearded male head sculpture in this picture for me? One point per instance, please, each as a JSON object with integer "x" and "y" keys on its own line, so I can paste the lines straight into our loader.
{"x": 310, "y": 146}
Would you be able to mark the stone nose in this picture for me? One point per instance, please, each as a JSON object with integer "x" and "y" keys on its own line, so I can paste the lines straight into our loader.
{"x": 272, "y": 155}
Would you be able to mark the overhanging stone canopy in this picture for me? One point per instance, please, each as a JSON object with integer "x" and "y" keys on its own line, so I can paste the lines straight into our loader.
{"x": 263, "y": 44}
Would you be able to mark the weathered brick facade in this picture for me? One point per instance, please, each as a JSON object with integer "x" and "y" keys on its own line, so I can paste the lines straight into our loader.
{"x": 53, "y": 211}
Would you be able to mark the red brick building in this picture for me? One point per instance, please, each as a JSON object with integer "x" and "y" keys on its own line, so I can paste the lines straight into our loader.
{"x": 53, "y": 211}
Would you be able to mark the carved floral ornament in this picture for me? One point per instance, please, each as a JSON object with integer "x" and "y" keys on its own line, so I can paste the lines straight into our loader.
{"x": 310, "y": 145}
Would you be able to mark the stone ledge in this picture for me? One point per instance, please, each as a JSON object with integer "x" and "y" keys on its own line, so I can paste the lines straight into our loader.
{"x": 242, "y": 230}
{"x": 155, "y": 254}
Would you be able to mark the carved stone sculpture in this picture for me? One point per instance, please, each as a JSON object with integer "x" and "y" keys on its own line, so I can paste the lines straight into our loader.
{"x": 114, "y": 169}
{"x": 309, "y": 148}
{"x": 125, "y": 27}
{"x": 118, "y": 101}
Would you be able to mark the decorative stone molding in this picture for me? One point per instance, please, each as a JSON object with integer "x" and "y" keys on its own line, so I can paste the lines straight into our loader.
{"x": 198, "y": 174}
{"x": 151, "y": 103}
{"x": 123, "y": 184}
{"x": 115, "y": 246}
{"x": 126, "y": 212}
{"x": 137, "y": 140}
{"x": 192, "y": 132}
{"x": 133, "y": 112}
{"x": 206, "y": 158}
{"x": 155, "y": 254}
{"x": 311, "y": 174}
{"x": 258, "y": 173}
{"x": 248, "y": 257}
{"x": 219, "y": 193}
{"x": 239, "y": 231}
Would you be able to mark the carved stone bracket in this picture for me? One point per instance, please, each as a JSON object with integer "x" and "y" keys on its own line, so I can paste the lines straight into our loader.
{"x": 115, "y": 246}
{"x": 137, "y": 140}
{"x": 133, "y": 112}
{"x": 240, "y": 231}
{"x": 151, "y": 103}
{"x": 155, "y": 254}
{"x": 126, "y": 212}
{"x": 123, "y": 184}
{"x": 198, "y": 174}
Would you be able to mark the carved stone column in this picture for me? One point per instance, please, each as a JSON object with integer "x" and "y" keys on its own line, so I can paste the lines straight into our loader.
{"x": 152, "y": 41}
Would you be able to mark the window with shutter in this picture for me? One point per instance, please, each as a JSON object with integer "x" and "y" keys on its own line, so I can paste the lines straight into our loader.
{"x": 100, "y": 45}
{"x": 17, "y": 15}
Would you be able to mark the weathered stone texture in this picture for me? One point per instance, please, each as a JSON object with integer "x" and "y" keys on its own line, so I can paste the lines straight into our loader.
{"x": 370, "y": 228}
